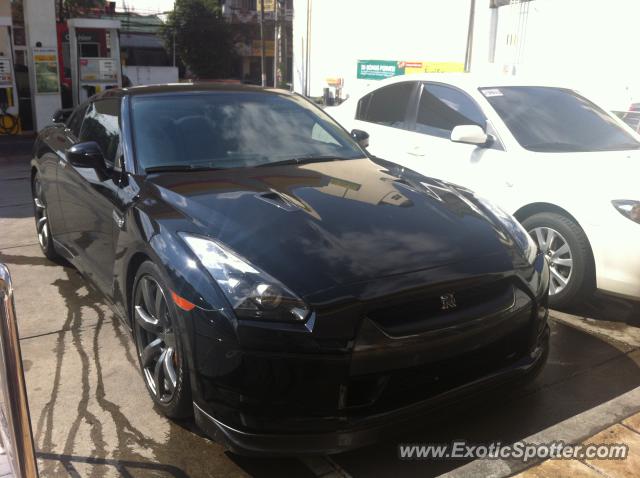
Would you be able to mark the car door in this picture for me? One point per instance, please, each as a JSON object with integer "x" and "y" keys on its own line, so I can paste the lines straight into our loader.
{"x": 59, "y": 142}
{"x": 384, "y": 114}
{"x": 431, "y": 152}
{"x": 89, "y": 197}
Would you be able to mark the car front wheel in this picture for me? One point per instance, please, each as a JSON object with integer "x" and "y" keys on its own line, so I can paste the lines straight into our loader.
{"x": 569, "y": 254}
{"x": 160, "y": 354}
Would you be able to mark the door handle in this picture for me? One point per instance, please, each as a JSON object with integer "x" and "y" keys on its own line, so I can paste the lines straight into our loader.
{"x": 62, "y": 163}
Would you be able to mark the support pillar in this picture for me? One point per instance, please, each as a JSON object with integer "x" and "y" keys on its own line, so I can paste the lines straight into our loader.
{"x": 40, "y": 26}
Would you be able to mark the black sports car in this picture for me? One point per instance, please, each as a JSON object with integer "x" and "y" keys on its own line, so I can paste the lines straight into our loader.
{"x": 292, "y": 292}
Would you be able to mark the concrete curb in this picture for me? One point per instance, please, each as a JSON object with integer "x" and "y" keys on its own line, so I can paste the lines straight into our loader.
{"x": 571, "y": 430}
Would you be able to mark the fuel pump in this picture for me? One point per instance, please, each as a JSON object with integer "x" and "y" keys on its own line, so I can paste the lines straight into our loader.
{"x": 9, "y": 123}
{"x": 95, "y": 73}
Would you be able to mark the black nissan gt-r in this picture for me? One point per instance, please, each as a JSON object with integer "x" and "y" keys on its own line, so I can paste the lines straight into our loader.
{"x": 294, "y": 293}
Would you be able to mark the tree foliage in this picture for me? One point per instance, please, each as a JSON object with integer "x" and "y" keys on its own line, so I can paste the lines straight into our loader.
{"x": 203, "y": 39}
{"x": 73, "y": 8}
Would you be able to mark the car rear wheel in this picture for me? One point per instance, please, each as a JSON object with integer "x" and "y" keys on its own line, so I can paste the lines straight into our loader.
{"x": 160, "y": 352}
{"x": 43, "y": 226}
{"x": 567, "y": 249}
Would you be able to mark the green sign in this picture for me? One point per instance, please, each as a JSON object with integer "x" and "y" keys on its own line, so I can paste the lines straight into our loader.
{"x": 378, "y": 69}
{"x": 381, "y": 69}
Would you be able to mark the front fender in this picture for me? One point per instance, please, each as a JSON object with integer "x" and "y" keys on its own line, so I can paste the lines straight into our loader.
{"x": 147, "y": 238}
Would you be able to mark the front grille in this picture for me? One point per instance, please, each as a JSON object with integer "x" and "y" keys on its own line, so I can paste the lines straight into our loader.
{"x": 424, "y": 311}
{"x": 402, "y": 387}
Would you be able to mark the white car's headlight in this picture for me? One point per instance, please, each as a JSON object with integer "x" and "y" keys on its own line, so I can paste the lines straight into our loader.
{"x": 253, "y": 294}
{"x": 514, "y": 228}
{"x": 628, "y": 208}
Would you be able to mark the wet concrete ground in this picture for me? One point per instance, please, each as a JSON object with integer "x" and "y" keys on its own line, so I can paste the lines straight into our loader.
{"x": 92, "y": 417}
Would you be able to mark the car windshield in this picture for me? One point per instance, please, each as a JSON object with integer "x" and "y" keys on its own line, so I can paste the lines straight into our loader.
{"x": 556, "y": 120}
{"x": 231, "y": 129}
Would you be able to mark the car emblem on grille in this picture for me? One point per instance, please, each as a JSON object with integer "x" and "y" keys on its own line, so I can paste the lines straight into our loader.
{"x": 448, "y": 301}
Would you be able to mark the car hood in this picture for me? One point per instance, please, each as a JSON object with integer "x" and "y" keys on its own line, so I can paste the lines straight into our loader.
{"x": 320, "y": 225}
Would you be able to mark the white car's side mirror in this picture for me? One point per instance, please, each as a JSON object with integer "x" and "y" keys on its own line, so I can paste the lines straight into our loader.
{"x": 469, "y": 134}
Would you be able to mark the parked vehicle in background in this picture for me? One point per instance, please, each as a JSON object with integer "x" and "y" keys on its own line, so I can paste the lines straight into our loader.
{"x": 566, "y": 168}
{"x": 292, "y": 292}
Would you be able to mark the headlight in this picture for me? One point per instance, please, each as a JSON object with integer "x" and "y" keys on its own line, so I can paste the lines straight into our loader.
{"x": 627, "y": 208}
{"x": 253, "y": 294}
{"x": 514, "y": 228}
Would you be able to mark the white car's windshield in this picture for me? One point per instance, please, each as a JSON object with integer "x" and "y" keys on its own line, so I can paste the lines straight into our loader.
{"x": 556, "y": 120}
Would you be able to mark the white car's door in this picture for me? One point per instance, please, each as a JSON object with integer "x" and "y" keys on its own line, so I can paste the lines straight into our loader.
{"x": 430, "y": 151}
{"x": 383, "y": 114}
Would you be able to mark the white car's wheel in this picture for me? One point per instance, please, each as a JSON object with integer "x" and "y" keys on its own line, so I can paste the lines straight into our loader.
{"x": 569, "y": 254}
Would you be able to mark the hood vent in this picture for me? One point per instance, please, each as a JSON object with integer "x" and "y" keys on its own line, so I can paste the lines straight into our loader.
{"x": 276, "y": 199}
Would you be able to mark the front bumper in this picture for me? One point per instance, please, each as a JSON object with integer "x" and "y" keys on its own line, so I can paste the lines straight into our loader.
{"x": 370, "y": 429}
{"x": 367, "y": 366}
{"x": 617, "y": 255}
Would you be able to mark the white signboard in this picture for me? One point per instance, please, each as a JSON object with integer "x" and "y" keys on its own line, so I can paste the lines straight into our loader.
{"x": 98, "y": 69}
{"x": 6, "y": 80}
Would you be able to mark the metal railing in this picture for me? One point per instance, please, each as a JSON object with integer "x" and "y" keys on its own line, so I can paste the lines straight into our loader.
{"x": 15, "y": 423}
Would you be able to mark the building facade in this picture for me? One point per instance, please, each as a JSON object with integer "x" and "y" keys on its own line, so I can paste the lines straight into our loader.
{"x": 584, "y": 44}
{"x": 244, "y": 15}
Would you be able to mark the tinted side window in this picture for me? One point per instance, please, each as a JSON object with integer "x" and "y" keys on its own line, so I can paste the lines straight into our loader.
{"x": 102, "y": 125}
{"x": 388, "y": 105}
{"x": 442, "y": 108}
{"x": 363, "y": 107}
{"x": 75, "y": 120}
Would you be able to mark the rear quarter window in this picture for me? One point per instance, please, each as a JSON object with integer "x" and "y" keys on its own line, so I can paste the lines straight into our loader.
{"x": 387, "y": 106}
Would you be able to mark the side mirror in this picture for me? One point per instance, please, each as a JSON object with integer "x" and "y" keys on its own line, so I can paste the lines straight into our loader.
{"x": 86, "y": 155}
{"x": 469, "y": 134}
{"x": 61, "y": 116}
{"x": 361, "y": 137}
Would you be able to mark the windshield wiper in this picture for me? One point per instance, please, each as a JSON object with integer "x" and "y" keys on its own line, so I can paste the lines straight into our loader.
{"x": 179, "y": 168}
{"x": 303, "y": 160}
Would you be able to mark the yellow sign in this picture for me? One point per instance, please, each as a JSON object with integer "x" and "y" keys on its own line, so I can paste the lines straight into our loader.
{"x": 45, "y": 58}
{"x": 256, "y": 48}
{"x": 432, "y": 67}
{"x": 269, "y": 5}
{"x": 46, "y": 70}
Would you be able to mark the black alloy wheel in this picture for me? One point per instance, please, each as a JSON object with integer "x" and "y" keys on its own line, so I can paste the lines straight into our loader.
{"x": 158, "y": 344}
{"x": 43, "y": 227}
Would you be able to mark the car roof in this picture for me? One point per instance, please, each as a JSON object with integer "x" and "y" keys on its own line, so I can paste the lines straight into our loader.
{"x": 186, "y": 88}
{"x": 468, "y": 81}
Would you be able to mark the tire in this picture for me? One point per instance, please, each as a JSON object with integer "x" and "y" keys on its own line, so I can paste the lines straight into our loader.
{"x": 581, "y": 276}
{"x": 43, "y": 228}
{"x": 161, "y": 357}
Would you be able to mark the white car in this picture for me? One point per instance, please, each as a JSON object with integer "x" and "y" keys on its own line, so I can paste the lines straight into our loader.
{"x": 565, "y": 168}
